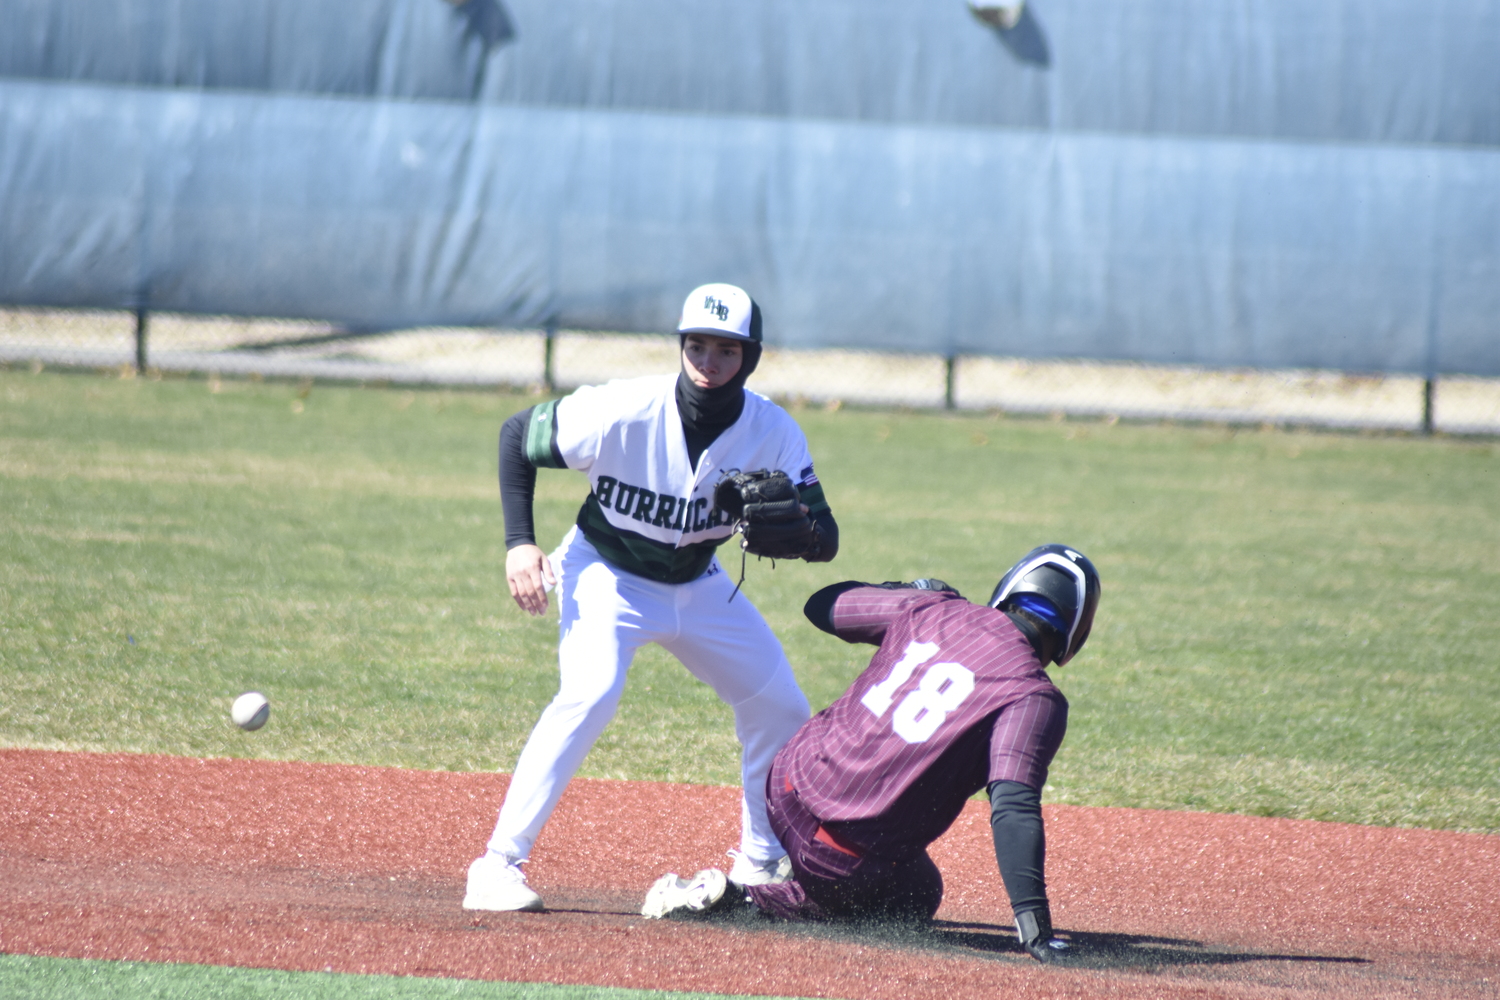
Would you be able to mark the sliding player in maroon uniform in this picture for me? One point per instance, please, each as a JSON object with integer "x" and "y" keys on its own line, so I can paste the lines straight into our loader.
{"x": 957, "y": 699}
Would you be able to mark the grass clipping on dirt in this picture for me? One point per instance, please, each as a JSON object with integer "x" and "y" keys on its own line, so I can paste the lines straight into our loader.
{"x": 1293, "y": 624}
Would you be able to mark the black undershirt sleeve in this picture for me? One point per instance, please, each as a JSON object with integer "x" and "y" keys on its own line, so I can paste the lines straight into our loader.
{"x": 1020, "y": 843}
{"x": 828, "y": 537}
{"x": 517, "y": 481}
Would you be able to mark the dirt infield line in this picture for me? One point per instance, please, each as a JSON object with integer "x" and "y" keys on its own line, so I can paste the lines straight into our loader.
{"x": 352, "y": 869}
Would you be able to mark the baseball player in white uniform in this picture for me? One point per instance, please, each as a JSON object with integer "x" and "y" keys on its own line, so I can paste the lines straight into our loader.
{"x": 639, "y": 567}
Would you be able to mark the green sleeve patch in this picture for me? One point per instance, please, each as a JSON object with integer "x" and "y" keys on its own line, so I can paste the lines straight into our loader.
{"x": 541, "y": 437}
{"x": 813, "y": 497}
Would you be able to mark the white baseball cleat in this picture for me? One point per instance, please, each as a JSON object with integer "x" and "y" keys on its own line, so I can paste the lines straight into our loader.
{"x": 696, "y": 895}
{"x": 753, "y": 871}
{"x": 496, "y": 882}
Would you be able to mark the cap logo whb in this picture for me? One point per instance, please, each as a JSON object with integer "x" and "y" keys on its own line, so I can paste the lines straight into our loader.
{"x": 721, "y": 310}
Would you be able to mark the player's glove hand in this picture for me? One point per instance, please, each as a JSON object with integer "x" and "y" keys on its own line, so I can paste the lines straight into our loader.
{"x": 767, "y": 511}
{"x": 1034, "y": 928}
{"x": 927, "y": 583}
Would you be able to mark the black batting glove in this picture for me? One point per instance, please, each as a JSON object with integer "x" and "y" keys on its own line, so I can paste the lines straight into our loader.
{"x": 928, "y": 583}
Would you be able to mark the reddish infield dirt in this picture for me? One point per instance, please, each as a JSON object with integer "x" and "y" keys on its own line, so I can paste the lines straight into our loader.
{"x": 355, "y": 869}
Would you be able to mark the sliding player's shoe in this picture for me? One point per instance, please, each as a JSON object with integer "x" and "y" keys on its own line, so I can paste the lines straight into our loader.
{"x": 703, "y": 893}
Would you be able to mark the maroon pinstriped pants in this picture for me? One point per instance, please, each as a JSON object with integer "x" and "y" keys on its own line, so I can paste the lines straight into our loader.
{"x": 831, "y": 881}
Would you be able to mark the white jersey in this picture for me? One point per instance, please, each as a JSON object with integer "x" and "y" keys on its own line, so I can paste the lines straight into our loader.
{"x": 650, "y": 512}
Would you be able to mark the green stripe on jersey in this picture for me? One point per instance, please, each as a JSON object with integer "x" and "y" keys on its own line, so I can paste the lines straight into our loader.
{"x": 541, "y": 437}
{"x": 635, "y": 553}
{"x": 813, "y": 497}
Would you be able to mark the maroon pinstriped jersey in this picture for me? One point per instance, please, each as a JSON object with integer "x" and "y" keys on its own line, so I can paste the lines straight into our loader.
{"x": 945, "y": 672}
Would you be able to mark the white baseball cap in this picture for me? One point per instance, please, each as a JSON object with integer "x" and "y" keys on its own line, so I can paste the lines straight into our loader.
{"x": 722, "y": 310}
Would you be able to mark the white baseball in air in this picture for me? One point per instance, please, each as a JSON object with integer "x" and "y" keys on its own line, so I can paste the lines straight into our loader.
{"x": 250, "y": 710}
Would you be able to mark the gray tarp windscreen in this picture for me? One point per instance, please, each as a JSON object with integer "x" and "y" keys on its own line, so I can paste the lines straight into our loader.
{"x": 1165, "y": 180}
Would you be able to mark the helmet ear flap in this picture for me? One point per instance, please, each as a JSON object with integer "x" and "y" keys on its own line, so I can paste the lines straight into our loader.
{"x": 1085, "y": 626}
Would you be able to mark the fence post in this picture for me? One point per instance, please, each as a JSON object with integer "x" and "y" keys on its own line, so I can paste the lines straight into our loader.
{"x": 1427, "y": 385}
{"x": 142, "y": 321}
{"x": 549, "y": 384}
{"x": 948, "y": 365}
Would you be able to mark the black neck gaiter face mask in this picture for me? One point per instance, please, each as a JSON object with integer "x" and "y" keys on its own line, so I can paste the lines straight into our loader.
{"x": 711, "y": 411}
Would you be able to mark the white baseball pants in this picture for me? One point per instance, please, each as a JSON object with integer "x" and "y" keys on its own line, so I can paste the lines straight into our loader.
{"x": 606, "y": 615}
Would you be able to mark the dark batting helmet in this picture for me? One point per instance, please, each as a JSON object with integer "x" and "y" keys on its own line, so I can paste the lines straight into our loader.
{"x": 1066, "y": 578}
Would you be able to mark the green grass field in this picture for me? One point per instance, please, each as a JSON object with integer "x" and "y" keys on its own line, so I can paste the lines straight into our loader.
{"x": 24, "y": 977}
{"x": 1293, "y": 623}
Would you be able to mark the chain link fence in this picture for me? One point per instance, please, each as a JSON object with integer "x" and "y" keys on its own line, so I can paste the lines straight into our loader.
{"x": 541, "y": 360}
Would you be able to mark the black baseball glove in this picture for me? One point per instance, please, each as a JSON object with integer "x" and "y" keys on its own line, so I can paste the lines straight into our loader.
{"x": 765, "y": 507}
